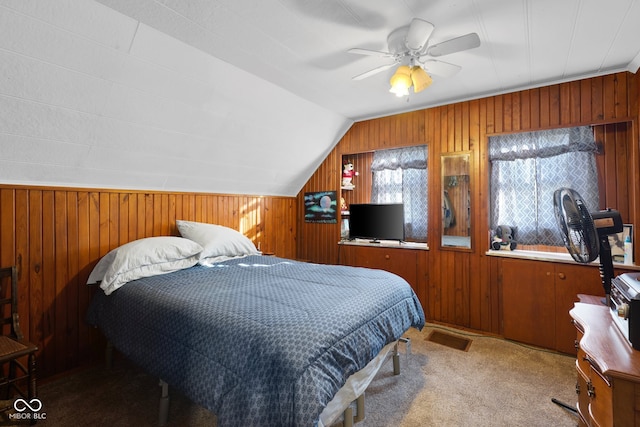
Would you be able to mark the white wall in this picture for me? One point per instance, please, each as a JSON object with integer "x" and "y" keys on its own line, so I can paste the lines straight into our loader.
{"x": 92, "y": 98}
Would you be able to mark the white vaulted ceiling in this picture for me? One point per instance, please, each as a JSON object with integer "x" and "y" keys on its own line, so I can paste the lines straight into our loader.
{"x": 301, "y": 45}
{"x": 248, "y": 97}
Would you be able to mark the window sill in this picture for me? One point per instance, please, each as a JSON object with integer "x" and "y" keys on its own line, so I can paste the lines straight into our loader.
{"x": 551, "y": 257}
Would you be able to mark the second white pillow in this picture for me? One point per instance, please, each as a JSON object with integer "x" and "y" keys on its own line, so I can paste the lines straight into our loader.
{"x": 216, "y": 240}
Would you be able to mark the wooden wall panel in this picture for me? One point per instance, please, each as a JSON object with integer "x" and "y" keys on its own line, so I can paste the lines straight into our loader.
{"x": 461, "y": 286}
{"x": 56, "y": 235}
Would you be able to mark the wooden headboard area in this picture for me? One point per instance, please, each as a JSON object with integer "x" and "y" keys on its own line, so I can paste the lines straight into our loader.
{"x": 56, "y": 235}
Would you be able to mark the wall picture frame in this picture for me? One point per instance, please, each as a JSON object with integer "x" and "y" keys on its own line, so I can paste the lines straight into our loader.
{"x": 616, "y": 241}
{"x": 321, "y": 207}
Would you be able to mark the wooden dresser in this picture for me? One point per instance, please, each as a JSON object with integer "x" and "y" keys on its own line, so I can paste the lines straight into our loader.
{"x": 608, "y": 368}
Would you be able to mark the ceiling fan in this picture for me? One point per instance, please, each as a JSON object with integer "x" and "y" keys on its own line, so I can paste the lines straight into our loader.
{"x": 411, "y": 42}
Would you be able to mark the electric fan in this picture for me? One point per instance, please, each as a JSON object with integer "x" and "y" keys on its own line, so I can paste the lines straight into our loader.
{"x": 586, "y": 234}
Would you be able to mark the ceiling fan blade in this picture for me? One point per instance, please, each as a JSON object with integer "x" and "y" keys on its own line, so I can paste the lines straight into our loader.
{"x": 374, "y": 71}
{"x": 468, "y": 41}
{"x": 439, "y": 68}
{"x": 358, "y": 51}
{"x": 418, "y": 34}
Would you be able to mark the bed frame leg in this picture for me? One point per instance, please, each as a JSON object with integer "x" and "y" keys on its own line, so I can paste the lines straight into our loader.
{"x": 108, "y": 355}
{"x": 396, "y": 354}
{"x": 348, "y": 417}
{"x": 407, "y": 346}
{"x": 163, "y": 414}
{"x": 396, "y": 360}
{"x": 359, "y": 409}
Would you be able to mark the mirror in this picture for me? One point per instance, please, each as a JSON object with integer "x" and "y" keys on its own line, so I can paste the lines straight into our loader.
{"x": 456, "y": 200}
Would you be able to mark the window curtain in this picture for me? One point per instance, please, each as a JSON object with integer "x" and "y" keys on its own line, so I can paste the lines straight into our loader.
{"x": 527, "y": 168}
{"x": 400, "y": 176}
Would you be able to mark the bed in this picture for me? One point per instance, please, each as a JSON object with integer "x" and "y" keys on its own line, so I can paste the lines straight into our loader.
{"x": 257, "y": 340}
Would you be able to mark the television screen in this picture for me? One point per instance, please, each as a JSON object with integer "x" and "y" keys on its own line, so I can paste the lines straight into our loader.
{"x": 376, "y": 221}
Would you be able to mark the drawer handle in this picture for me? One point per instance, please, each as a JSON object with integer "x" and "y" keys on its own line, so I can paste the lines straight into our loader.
{"x": 590, "y": 361}
{"x": 595, "y": 368}
{"x": 387, "y": 256}
{"x": 562, "y": 276}
{"x": 591, "y": 391}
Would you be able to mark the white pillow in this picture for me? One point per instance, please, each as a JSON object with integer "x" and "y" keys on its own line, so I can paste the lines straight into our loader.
{"x": 97, "y": 274}
{"x": 217, "y": 240}
{"x": 146, "y": 257}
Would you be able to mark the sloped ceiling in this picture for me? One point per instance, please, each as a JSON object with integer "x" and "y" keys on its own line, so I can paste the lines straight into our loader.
{"x": 90, "y": 97}
{"x": 248, "y": 97}
{"x": 301, "y": 45}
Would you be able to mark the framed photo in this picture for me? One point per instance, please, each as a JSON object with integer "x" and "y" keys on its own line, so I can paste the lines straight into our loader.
{"x": 321, "y": 206}
{"x": 617, "y": 242}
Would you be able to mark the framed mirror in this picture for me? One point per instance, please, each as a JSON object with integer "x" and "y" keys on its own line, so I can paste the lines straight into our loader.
{"x": 456, "y": 200}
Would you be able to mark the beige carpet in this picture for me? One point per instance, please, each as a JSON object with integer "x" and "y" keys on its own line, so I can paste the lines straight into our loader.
{"x": 493, "y": 383}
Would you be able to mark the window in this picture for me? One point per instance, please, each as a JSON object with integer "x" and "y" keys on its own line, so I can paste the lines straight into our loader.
{"x": 527, "y": 168}
{"x": 400, "y": 176}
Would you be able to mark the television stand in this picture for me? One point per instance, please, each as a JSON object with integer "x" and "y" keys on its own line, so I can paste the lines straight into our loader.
{"x": 401, "y": 259}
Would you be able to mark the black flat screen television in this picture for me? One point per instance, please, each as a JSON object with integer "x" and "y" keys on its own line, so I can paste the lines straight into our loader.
{"x": 376, "y": 221}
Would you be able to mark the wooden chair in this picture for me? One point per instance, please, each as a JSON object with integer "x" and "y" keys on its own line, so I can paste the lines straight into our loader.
{"x": 13, "y": 347}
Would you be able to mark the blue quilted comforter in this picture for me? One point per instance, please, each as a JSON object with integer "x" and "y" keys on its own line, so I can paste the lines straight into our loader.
{"x": 259, "y": 341}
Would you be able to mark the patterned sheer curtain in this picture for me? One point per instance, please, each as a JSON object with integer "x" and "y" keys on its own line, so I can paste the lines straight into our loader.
{"x": 527, "y": 168}
{"x": 400, "y": 176}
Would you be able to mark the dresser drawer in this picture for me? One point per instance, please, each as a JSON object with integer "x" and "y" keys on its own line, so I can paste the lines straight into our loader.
{"x": 583, "y": 395}
{"x": 403, "y": 262}
{"x": 583, "y": 362}
{"x": 601, "y": 403}
{"x": 608, "y": 370}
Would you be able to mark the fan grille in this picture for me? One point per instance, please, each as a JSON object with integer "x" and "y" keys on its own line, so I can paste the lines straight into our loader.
{"x": 576, "y": 224}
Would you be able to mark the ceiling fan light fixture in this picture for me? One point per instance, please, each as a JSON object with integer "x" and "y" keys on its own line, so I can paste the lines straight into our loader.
{"x": 420, "y": 78}
{"x": 412, "y": 42}
{"x": 401, "y": 81}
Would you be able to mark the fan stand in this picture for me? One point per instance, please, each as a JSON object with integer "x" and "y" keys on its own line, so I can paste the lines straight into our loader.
{"x": 606, "y": 267}
{"x": 606, "y": 274}
{"x": 569, "y": 408}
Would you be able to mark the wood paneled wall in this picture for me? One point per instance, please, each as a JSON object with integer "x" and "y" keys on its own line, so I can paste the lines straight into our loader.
{"x": 55, "y": 236}
{"x": 460, "y": 286}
